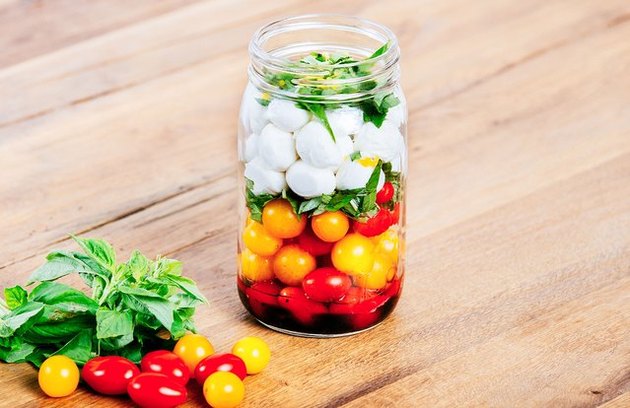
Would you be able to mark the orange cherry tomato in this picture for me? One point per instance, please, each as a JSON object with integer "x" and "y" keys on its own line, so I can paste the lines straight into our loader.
{"x": 330, "y": 226}
{"x": 377, "y": 278}
{"x": 255, "y": 267}
{"x": 58, "y": 376}
{"x": 281, "y": 221}
{"x": 192, "y": 348}
{"x": 291, "y": 264}
{"x": 353, "y": 254}
{"x": 259, "y": 241}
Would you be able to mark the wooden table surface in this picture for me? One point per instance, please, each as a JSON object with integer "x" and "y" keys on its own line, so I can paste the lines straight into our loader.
{"x": 118, "y": 120}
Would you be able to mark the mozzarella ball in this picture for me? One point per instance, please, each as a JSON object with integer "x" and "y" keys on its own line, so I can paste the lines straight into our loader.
{"x": 276, "y": 148}
{"x": 385, "y": 142}
{"x": 286, "y": 115}
{"x": 397, "y": 115}
{"x": 354, "y": 174}
{"x": 399, "y": 164}
{"x": 308, "y": 181}
{"x": 253, "y": 114}
{"x": 250, "y": 149}
{"x": 345, "y": 146}
{"x": 266, "y": 181}
{"x": 316, "y": 147}
{"x": 345, "y": 121}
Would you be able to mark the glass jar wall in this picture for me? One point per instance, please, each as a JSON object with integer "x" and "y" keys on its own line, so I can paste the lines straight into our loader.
{"x": 322, "y": 150}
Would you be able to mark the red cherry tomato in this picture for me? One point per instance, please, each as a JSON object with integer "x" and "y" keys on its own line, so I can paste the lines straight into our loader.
{"x": 220, "y": 362}
{"x": 167, "y": 363}
{"x": 303, "y": 309}
{"x": 385, "y": 193}
{"x": 375, "y": 225}
{"x": 109, "y": 375}
{"x": 326, "y": 285}
{"x": 395, "y": 214}
{"x": 363, "y": 314}
{"x": 309, "y": 242}
{"x": 261, "y": 296}
{"x": 153, "y": 390}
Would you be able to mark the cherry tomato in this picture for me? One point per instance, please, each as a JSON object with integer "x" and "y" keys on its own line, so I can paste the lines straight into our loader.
{"x": 303, "y": 309}
{"x": 385, "y": 193}
{"x": 309, "y": 242}
{"x": 192, "y": 348}
{"x": 167, "y": 363}
{"x": 326, "y": 285}
{"x": 375, "y": 225}
{"x": 223, "y": 390}
{"x": 377, "y": 278}
{"x": 393, "y": 289}
{"x": 330, "y": 226}
{"x": 292, "y": 263}
{"x": 58, "y": 376}
{"x": 255, "y": 267}
{"x": 254, "y": 352}
{"x": 109, "y": 375}
{"x": 281, "y": 221}
{"x": 261, "y": 296}
{"x": 154, "y": 390}
{"x": 387, "y": 243}
{"x": 259, "y": 241}
{"x": 353, "y": 254}
{"x": 220, "y": 362}
{"x": 396, "y": 214}
{"x": 363, "y": 314}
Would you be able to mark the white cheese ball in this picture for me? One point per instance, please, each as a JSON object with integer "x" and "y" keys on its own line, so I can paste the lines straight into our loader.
{"x": 397, "y": 115}
{"x": 249, "y": 151}
{"x": 345, "y": 121}
{"x": 253, "y": 114}
{"x": 385, "y": 142}
{"x": 276, "y": 148}
{"x": 399, "y": 164}
{"x": 266, "y": 181}
{"x": 354, "y": 174}
{"x": 308, "y": 181}
{"x": 286, "y": 116}
{"x": 317, "y": 148}
{"x": 345, "y": 146}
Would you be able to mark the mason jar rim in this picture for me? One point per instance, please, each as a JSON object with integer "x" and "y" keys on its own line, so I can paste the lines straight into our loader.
{"x": 385, "y": 65}
{"x": 360, "y": 25}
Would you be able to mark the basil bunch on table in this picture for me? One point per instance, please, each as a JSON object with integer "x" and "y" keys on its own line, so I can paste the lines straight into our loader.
{"x": 134, "y": 307}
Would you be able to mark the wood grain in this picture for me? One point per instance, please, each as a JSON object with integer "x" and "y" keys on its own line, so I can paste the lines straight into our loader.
{"x": 122, "y": 125}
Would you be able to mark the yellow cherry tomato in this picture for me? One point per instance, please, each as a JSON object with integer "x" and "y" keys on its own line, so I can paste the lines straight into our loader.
{"x": 255, "y": 267}
{"x": 223, "y": 389}
{"x": 387, "y": 243}
{"x": 330, "y": 226}
{"x": 377, "y": 278}
{"x": 58, "y": 376}
{"x": 254, "y": 352}
{"x": 259, "y": 241}
{"x": 192, "y": 348}
{"x": 281, "y": 221}
{"x": 291, "y": 264}
{"x": 353, "y": 254}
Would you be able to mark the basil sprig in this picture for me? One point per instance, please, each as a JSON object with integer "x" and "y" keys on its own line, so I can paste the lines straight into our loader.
{"x": 134, "y": 307}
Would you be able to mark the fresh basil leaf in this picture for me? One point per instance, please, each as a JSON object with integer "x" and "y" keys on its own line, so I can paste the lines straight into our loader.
{"x": 309, "y": 205}
{"x": 99, "y": 250}
{"x": 255, "y": 203}
{"x": 188, "y": 286}
{"x": 50, "y": 332}
{"x": 319, "y": 111}
{"x": 58, "y": 265}
{"x": 19, "y": 317}
{"x": 355, "y": 156}
{"x": 132, "y": 352}
{"x": 18, "y": 353}
{"x": 15, "y": 296}
{"x": 293, "y": 200}
{"x": 166, "y": 267}
{"x": 263, "y": 101}
{"x": 112, "y": 323}
{"x": 64, "y": 297}
{"x": 79, "y": 348}
{"x": 380, "y": 51}
{"x": 145, "y": 301}
{"x": 139, "y": 265}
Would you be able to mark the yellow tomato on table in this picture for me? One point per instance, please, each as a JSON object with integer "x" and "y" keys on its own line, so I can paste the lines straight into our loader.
{"x": 192, "y": 348}
{"x": 223, "y": 389}
{"x": 254, "y": 352}
{"x": 58, "y": 376}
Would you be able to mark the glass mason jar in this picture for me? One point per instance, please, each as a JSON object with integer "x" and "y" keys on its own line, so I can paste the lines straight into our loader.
{"x": 322, "y": 147}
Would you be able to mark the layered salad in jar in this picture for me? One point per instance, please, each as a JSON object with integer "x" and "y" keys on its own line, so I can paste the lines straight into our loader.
{"x": 321, "y": 245}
